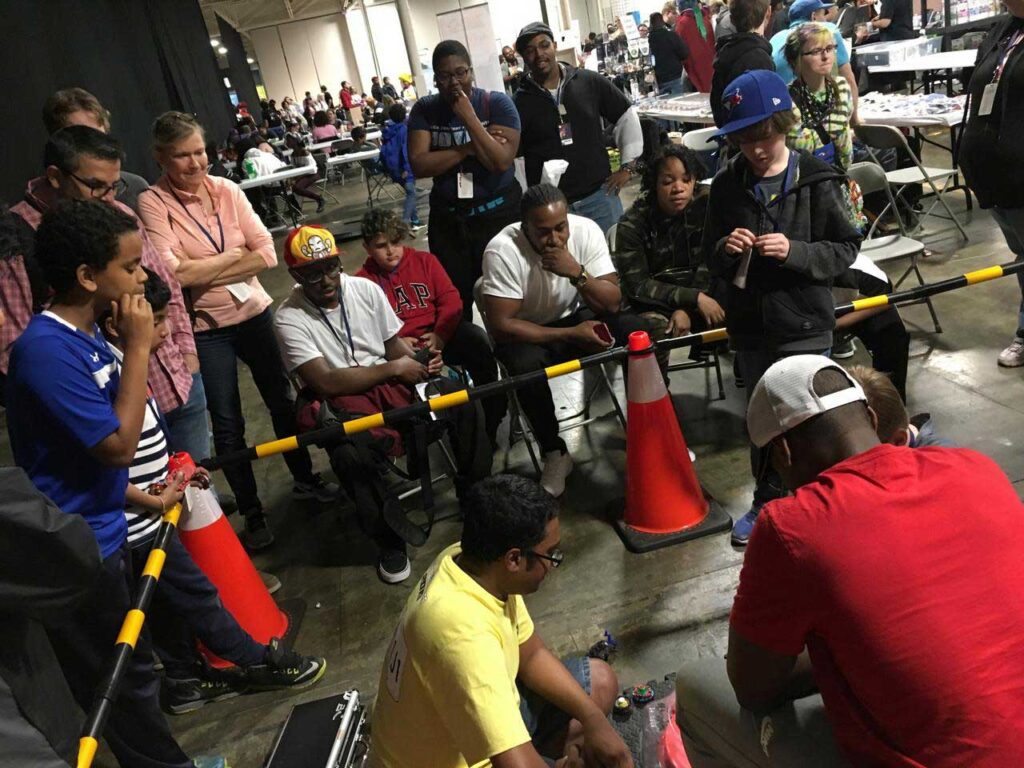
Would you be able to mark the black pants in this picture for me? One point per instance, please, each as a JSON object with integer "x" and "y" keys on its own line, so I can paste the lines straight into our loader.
{"x": 137, "y": 731}
{"x": 254, "y": 343}
{"x": 470, "y": 347}
{"x": 459, "y": 241}
{"x": 888, "y": 341}
{"x": 186, "y": 606}
{"x": 360, "y": 462}
{"x": 521, "y": 357}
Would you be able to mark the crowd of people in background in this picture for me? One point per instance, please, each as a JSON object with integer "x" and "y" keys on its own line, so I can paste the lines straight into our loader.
{"x": 128, "y": 307}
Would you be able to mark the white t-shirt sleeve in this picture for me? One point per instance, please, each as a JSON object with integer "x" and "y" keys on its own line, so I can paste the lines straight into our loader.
{"x": 295, "y": 338}
{"x": 593, "y": 253}
{"x": 501, "y": 277}
{"x": 387, "y": 321}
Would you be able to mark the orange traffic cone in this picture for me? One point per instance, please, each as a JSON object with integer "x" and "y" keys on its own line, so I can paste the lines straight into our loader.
{"x": 212, "y": 542}
{"x": 665, "y": 503}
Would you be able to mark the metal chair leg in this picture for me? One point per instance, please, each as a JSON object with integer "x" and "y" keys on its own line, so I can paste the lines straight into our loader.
{"x": 615, "y": 401}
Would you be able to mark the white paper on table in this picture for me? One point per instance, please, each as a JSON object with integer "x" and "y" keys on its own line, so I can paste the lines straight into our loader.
{"x": 552, "y": 172}
{"x": 241, "y": 291}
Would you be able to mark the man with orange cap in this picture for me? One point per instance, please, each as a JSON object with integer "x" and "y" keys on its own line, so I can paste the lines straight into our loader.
{"x": 340, "y": 337}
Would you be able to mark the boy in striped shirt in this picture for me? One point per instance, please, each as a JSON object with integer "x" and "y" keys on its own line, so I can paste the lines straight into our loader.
{"x": 186, "y": 605}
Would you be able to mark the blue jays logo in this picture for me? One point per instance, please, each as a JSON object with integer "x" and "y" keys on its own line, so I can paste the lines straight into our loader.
{"x": 733, "y": 100}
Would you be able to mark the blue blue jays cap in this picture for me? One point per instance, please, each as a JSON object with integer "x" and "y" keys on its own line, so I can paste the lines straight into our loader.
{"x": 752, "y": 97}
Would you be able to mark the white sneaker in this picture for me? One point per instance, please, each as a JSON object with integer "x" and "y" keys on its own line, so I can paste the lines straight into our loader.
{"x": 557, "y": 466}
{"x": 1013, "y": 355}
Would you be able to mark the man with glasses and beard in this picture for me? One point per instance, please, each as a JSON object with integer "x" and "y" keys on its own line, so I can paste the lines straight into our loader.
{"x": 466, "y": 140}
{"x": 340, "y": 337}
{"x": 466, "y": 679}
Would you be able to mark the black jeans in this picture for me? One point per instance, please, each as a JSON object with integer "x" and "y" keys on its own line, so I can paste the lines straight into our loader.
{"x": 137, "y": 731}
{"x": 186, "y": 606}
{"x": 521, "y": 357}
{"x": 888, "y": 341}
{"x": 470, "y": 347}
{"x": 360, "y": 462}
{"x": 254, "y": 343}
{"x": 459, "y": 241}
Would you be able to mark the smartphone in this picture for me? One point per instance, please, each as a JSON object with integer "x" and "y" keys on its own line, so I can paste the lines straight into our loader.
{"x": 422, "y": 355}
{"x": 603, "y": 333}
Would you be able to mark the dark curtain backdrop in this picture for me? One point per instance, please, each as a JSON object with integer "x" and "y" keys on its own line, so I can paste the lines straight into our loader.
{"x": 139, "y": 57}
{"x": 239, "y": 71}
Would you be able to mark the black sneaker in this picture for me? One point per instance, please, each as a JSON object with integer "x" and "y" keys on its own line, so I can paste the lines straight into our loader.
{"x": 256, "y": 535}
{"x": 843, "y": 347}
{"x": 395, "y": 516}
{"x": 179, "y": 696}
{"x": 393, "y": 566}
{"x": 285, "y": 669}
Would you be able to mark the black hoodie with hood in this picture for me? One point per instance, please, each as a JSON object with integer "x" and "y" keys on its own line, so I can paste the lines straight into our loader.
{"x": 785, "y": 306}
{"x": 735, "y": 55}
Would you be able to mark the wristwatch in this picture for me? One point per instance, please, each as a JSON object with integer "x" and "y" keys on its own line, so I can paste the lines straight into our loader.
{"x": 629, "y": 168}
{"x": 581, "y": 279}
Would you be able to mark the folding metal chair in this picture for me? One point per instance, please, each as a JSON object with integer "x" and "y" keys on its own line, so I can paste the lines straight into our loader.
{"x": 888, "y": 137}
{"x": 872, "y": 178}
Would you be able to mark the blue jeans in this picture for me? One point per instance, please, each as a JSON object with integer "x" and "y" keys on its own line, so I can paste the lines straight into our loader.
{"x": 543, "y": 719}
{"x": 602, "y": 207}
{"x": 672, "y": 88}
{"x": 189, "y": 430}
{"x": 1011, "y": 221}
{"x": 409, "y": 213}
{"x": 254, "y": 343}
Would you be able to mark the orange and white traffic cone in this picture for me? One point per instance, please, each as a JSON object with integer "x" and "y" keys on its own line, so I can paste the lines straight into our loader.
{"x": 665, "y": 503}
{"x": 210, "y": 539}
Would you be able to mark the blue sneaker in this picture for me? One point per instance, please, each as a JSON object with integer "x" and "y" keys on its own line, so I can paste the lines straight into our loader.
{"x": 743, "y": 527}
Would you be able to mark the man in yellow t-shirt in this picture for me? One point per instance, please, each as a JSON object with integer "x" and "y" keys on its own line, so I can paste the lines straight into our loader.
{"x": 466, "y": 681}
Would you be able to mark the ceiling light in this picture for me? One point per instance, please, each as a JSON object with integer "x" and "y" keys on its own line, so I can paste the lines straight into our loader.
{"x": 227, "y": 83}
{"x": 250, "y": 60}
{"x": 222, "y": 50}
{"x": 214, "y": 43}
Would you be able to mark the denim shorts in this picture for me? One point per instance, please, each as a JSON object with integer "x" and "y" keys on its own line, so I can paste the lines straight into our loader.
{"x": 542, "y": 718}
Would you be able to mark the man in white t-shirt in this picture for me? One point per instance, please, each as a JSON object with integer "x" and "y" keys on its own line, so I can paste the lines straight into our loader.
{"x": 339, "y": 336}
{"x": 550, "y": 293}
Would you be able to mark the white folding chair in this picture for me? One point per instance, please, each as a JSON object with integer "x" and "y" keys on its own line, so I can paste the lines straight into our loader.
{"x": 872, "y": 178}
{"x": 701, "y": 140}
{"x": 888, "y": 137}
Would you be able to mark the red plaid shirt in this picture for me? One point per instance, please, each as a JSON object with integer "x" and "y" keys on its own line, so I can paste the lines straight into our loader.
{"x": 169, "y": 376}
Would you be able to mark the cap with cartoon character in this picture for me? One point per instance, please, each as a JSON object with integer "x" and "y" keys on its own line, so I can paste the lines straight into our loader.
{"x": 307, "y": 245}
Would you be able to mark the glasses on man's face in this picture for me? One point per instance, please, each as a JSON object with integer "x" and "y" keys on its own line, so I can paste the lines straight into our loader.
{"x": 311, "y": 276}
{"x": 455, "y": 74}
{"x": 555, "y": 558}
{"x": 98, "y": 188}
{"x": 823, "y": 52}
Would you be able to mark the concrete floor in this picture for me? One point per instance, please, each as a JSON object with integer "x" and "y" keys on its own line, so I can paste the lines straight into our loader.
{"x": 665, "y": 607}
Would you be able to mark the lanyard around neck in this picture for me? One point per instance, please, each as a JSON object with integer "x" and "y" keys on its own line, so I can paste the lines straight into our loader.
{"x": 348, "y": 327}
{"x": 203, "y": 229}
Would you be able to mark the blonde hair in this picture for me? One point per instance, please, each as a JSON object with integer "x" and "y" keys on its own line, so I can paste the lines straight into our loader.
{"x": 884, "y": 400}
{"x": 173, "y": 127}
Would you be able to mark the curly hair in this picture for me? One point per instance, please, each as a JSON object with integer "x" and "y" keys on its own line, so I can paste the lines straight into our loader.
{"x": 156, "y": 290}
{"x": 691, "y": 164}
{"x": 382, "y": 221}
{"x": 505, "y": 512}
{"x": 77, "y": 232}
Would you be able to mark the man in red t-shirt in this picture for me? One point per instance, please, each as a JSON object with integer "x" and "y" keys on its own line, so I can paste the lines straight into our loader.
{"x": 898, "y": 571}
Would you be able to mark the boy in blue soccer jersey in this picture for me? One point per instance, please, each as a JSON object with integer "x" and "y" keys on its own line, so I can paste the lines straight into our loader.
{"x": 74, "y": 424}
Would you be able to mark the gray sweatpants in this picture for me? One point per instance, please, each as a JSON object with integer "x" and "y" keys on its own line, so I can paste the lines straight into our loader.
{"x": 718, "y": 733}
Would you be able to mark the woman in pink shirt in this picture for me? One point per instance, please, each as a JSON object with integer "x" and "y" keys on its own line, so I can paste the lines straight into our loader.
{"x": 206, "y": 230}
{"x": 324, "y": 130}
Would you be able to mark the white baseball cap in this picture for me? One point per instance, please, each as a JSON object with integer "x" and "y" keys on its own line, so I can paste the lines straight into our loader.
{"x": 785, "y": 397}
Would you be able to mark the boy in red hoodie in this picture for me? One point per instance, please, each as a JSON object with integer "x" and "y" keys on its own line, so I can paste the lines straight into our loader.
{"x": 428, "y": 304}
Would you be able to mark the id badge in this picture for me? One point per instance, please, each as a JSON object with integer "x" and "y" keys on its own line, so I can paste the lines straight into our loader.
{"x": 464, "y": 183}
{"x": 565, "y": 134}
{"x": 988, "y": 99}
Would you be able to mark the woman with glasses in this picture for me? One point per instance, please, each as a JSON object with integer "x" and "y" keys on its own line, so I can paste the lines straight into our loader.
{"x": 206, "y": 229}
{"x": 465, "y": 139}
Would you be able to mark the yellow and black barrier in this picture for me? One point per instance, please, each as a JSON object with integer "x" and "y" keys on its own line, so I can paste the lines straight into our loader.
{"x": 392, "y": 418}
{"x": 126, "y": 640}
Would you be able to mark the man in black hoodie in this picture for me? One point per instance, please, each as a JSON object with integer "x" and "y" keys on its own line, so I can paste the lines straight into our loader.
{"x": 669, "y": 51}
{"x": 746, "y": 50}
{"x": 777, "y": 234}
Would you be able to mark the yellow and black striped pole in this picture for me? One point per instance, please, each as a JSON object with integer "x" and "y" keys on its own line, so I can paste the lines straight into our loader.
{"x": 391, "y": 418}
{"x": 126, "y": 640}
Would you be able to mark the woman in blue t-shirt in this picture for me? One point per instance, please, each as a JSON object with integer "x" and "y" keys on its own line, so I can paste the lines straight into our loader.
{"x": 466, "y": 140}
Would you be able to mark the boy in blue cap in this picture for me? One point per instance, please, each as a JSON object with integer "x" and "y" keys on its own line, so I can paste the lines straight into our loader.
{"x": 777, "y": 235}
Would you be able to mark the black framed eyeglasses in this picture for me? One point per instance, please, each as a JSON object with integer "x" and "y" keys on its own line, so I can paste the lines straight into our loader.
{"x": 456, "y": 74}
{"x": 827, "y": 50}
{"x": 98, "y": 188}
{"x": 311, "y": 276}
{"x": 555, "y": 558}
